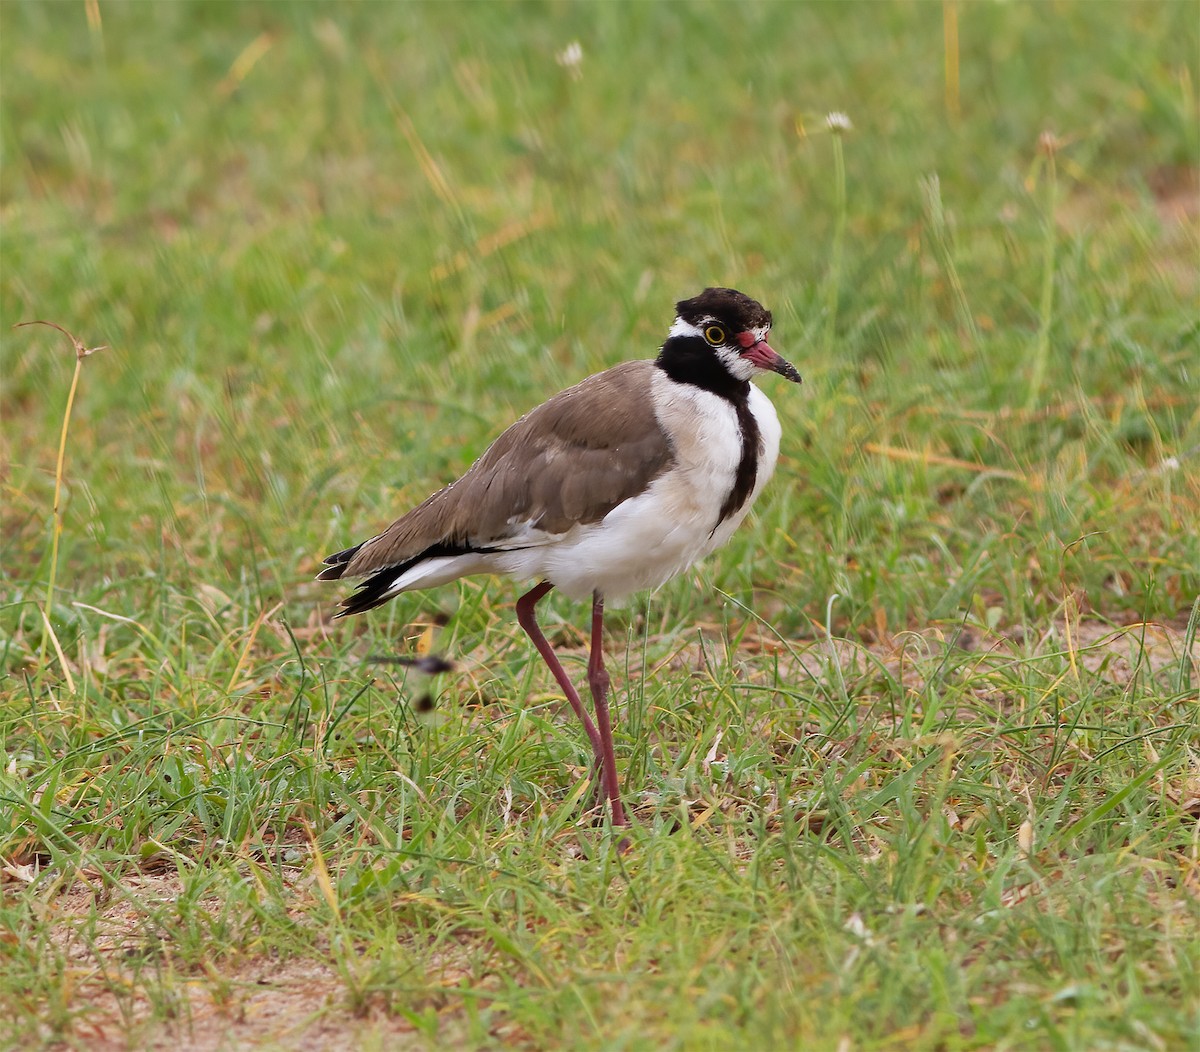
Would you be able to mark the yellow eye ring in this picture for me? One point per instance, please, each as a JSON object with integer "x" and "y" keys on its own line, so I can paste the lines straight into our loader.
{"x": 715, "y": 335}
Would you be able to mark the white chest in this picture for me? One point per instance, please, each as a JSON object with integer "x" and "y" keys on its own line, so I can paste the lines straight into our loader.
{"x": 704, "y": 433}
{"x": 708, "y": 443}
{"x": 650, "y": 538}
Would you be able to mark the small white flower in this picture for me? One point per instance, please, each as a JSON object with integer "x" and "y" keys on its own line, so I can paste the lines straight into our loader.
{"x": 1049, "y": 143}
{"x": 571, "y": 59}
{"x": 837, "y": 121}
{"x": 856, "y": 927}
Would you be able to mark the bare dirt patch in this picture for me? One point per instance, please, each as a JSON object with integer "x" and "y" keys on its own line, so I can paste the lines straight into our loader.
{"x": 258, "y": 1002}
{"x": 297, "y": 1004}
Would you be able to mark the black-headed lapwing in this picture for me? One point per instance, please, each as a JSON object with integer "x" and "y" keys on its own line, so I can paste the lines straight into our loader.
{"x": 615, "y": 485}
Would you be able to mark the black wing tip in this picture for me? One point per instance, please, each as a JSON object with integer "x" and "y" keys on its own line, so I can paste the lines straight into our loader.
{"x": 348, "y": 607}
{"x": 378, "y": 588}
{"x": 373, "y": 592}
{"x": 337, "y": 562}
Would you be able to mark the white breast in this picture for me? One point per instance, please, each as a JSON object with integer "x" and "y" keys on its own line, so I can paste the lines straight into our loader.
{"x": 647, "y": 540}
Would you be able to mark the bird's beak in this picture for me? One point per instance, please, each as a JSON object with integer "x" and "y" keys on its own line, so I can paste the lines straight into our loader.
{"x": 763, "y": 355}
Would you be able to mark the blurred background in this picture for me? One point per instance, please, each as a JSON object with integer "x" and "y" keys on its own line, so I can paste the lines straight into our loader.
{"x": 912, "y": 759}
{"x": 333, "y": 249}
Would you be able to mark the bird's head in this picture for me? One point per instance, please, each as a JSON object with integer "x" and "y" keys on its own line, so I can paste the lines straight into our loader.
{"x": 722, "y": 328}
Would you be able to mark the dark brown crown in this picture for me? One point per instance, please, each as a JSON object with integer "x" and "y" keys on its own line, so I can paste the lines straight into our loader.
{"x": 737, "y": 310}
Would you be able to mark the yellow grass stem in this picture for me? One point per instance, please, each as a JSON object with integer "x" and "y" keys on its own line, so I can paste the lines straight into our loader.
{"x": 81, "y": 352}
{"x": 896, "y": 453}
{"x": 58, "y": 482}
{"x": 246, "y": 60}
{"x": 321, "y": 874}
{"x": 430, "y": 169}
{"x": 263, "y": 614}
{"x": 1070, "y": 621}
{"x": 491, "y": 243}
{"x": 58, "y": 650}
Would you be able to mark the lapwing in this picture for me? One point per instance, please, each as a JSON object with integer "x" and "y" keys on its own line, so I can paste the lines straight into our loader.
{"x": 613, "y": 486}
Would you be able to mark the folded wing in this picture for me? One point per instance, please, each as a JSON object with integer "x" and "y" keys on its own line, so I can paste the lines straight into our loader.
{"x": 567, "y": 463}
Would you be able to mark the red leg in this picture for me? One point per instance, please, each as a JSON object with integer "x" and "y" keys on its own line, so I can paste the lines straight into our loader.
{"x": 528, "y": 621}
{"x": 598, "y": 681}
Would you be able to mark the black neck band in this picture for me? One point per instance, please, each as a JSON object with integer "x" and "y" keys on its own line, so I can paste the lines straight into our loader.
{"x": 689, "y": 360}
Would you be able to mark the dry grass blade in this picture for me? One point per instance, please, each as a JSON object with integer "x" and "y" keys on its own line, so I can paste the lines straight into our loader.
{"x": 81, "y": 351}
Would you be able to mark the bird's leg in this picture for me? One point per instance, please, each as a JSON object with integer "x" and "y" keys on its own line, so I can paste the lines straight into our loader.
{"x": 598, "y": 681}
{"x": 528, "y": 621}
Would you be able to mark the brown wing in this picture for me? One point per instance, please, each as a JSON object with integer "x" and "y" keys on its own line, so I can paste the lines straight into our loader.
{"x": 569, "y": 461}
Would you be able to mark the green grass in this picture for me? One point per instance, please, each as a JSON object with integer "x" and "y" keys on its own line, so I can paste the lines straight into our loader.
{"x": 914, "y": 759}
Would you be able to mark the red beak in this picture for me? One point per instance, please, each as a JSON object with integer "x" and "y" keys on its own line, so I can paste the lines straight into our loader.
{"x": 760, "y": 353}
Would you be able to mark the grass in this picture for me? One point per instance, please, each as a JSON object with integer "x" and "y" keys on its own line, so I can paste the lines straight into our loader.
{"x": 913, "y": 759}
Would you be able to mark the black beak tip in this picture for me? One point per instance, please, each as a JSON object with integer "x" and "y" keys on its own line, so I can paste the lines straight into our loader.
{"x": 788, "y": 371}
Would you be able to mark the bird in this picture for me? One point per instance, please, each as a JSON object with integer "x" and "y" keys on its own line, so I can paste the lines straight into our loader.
{"x": 611, "y": 487}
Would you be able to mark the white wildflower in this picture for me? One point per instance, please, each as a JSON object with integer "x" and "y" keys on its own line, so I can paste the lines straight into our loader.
{"x": 837, "y": 121}
{"x": 571, "y": 59}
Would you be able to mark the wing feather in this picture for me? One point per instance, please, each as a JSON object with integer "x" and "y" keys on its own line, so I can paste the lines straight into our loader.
{"x": 568, "y": 462}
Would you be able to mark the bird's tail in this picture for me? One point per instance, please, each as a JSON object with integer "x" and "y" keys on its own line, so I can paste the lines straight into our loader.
{"x": 377, "y": 586}
{"x": 443, "y": 561}
{"x": 375, "y": 590}
{"x": 372, "y": 592}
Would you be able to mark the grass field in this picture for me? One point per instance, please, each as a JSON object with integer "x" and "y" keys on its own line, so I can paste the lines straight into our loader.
{"x": 915, "y": 760}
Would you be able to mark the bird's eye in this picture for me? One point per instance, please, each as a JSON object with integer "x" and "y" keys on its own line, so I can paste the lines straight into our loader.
{"x": 715, "y": 335}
